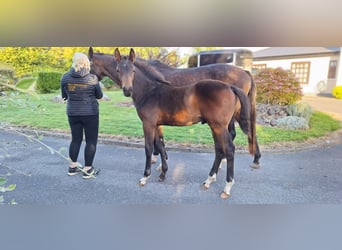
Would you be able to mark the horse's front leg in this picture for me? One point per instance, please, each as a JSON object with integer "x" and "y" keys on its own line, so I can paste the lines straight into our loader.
{"x": 149, "y": 134}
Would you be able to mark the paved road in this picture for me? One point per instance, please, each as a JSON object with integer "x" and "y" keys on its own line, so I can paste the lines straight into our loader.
{"x": 308, "y": 177}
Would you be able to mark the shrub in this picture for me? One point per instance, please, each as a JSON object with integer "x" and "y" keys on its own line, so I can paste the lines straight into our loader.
{"x": 303, "y": 110}
{"x": 108, "y": 83}
{"x": 337, "y": 92}
{"x": 293, "y": 123}
{"x": 48, "y": 81}
{"x": 277, "y": 86}
{"x": 6, "y": 76}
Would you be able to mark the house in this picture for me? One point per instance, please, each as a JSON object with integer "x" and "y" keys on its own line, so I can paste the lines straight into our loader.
{"x": 317, "y": 68}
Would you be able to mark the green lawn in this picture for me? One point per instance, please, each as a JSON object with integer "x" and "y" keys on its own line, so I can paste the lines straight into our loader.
{"x": 25, "y": 83}
{"x": 116, "y": 119}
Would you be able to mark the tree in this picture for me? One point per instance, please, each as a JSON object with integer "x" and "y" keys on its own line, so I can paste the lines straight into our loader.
{"x": 30, "y": 60}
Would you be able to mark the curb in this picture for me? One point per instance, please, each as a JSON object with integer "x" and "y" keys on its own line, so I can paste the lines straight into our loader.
{"x": 279, "y": 147}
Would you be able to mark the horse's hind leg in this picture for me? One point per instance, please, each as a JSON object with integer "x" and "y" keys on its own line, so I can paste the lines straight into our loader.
{"x": 257, "y": 156}
{"x": 156, "y": 151}
{"x": 219, "y": 155}
{"x": 231, "y": 129}
{"x": 232, "y": 132}
{"x": 229, "y": 152}
{"x": 160, "y": 146}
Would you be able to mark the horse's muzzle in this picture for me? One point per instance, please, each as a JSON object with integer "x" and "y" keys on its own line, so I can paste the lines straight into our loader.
{"x": 127, "y": 91}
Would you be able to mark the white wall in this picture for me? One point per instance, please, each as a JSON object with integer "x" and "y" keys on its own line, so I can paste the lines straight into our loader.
{"x": 318, "y": 79}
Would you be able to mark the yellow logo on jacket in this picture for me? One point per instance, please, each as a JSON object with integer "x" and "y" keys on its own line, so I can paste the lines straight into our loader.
{"x": 73, "y": 86}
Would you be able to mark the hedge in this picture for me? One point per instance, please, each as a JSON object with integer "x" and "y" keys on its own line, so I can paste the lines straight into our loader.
{"x": 48, "y": 81}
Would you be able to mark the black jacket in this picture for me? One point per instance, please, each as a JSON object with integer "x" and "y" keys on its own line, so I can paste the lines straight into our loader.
{"x": 81, "y": 89}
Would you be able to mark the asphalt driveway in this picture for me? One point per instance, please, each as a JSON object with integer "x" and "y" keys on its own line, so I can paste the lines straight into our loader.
{"x": 306, "y": 177}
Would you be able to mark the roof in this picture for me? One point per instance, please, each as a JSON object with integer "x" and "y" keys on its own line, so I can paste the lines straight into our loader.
{"x": 205, "y": 52}
{"x": 293, "y": 51}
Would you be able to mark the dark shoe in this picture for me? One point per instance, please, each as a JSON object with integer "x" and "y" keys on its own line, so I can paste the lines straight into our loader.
{"x": 74, "y": 171}
{"x": 91, "y": 173}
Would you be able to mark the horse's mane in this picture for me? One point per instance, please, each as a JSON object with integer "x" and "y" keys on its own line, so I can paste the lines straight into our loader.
{"x": 150, "y": 71}
{"x": 159, "y": 64}
{"x": 102, "y": 54}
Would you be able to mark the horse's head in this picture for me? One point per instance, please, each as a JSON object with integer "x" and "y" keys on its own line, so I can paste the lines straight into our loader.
{"x": 126, "y": 70}
{"x": 103, "y": 65}
{"x": 94, "y": 64}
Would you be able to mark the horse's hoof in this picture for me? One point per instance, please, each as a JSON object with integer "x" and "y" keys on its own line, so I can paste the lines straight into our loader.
{"x": 205, "y": 186}
{"x": 143, "y": 181}
{"x": 161, "y": 178}
{"x": 154, "y": 159}
{"x": 224, "y": 195}
{"x": 255, "y": 165}
{"x": 159, "y": 168}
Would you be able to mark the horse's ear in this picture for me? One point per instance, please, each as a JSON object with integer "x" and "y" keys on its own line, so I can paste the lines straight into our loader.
{"x": 131, "y": 55}
{"x": 117, "y": 55}
{"x": 90, "y": 52}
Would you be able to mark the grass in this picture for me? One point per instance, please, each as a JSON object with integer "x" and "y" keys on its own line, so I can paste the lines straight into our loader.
{"x": 25, "y": 83}
{"x": 117, "y": 119}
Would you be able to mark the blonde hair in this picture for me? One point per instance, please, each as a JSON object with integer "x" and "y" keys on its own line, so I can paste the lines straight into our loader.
{"x": 80, "y": 60}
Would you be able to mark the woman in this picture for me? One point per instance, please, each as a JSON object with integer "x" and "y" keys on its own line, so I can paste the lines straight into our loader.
{"x": 81, "y": 90}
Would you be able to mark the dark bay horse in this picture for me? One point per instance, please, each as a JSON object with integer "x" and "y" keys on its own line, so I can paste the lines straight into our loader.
{"x": 207, "y": 101}
{"x": 103, "y": 65}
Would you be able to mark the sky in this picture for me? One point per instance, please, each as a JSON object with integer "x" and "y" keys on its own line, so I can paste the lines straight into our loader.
{"x": 184, "y": 51}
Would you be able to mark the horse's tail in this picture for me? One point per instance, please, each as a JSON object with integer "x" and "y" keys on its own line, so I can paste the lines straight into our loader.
{"x": 244, "y": 115}
{"x": 252, "y": 99}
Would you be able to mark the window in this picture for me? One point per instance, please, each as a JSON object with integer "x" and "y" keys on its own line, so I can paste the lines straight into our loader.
{"x": 206, "y": 59}
{"x": 332, "y": 69}
{"x": 257, "y": 67}
{"x": 302, "y": 71}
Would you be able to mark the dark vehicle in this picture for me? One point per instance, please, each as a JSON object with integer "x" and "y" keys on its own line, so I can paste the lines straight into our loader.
{"x": 239, "y": 57}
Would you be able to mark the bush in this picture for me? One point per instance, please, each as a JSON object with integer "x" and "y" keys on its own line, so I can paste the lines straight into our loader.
{"x": 48, "y": 81}
{"x": 303, "y": 110}
{"x": 108, "y": 83}
{"x": 337, "y": 92}
{"x": 293, "y": 123}
{"x": 6, "y": 76}
{"x": 277, "y": 86}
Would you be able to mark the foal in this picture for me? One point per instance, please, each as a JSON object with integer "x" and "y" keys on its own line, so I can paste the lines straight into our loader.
{"x": 207, "y": 101}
